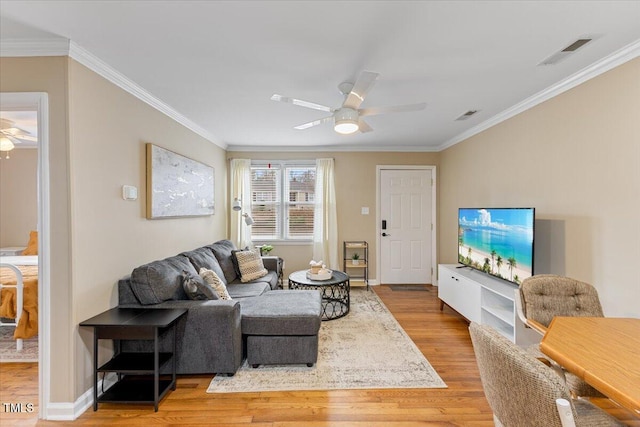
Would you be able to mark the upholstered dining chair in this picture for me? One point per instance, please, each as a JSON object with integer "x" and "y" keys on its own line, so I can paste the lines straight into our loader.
{"x": 522, "y": 391}
{"x": 542, "y": 297}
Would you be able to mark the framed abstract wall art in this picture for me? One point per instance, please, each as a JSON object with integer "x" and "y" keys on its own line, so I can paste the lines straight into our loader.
{"x": 177, "y": 186}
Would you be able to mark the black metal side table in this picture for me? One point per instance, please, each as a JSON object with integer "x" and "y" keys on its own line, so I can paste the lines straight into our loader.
{"x": 134, "y": 324}
{"x": 336, "y": 299}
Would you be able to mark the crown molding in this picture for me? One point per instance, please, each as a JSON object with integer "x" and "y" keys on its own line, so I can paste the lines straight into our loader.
{"x": 607, "y": 63}
{"x": 34, "y": 47}
{"x": 331, "y": 148}
{"x": 100, "y": 67}
{"x": 64, "y": 47}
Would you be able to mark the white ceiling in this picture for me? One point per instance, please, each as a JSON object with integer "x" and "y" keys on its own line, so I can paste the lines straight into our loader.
{"x": 217, "y": 63}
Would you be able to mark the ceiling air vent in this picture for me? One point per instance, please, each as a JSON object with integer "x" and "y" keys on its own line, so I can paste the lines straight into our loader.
{"x": 564, "y": 53}
{"x": 466, "y": 115}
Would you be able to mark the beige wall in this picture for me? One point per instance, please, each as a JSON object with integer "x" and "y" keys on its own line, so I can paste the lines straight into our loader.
{"x": 97, "y": 136}
{"x": 576, "y": 159}
{"x": 50, "y": 75}
{"x": 18, "y": 197}
{"x": 355, "y": 188}
{"x": 111, "y": 236}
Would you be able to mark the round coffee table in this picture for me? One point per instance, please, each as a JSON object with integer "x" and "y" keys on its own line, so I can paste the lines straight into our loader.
{"x": 335, "y": 292}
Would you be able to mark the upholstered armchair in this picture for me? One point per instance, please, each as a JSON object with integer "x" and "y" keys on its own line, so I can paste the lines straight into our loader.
{"x": 524, "y": 392}
{"x": 542, "y": 297}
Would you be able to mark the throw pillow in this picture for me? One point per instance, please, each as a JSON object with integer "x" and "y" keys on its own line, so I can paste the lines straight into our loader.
{"x": 32, "y": 246}
{"x": 251, "y": 266}
{"x": 196, "y": 288}
{"x": 218, "y": 285}
{"x": 234, "y": 260}
{"x": 222, "y": 251}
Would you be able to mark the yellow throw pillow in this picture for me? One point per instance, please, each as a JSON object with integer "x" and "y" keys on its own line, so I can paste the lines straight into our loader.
{"x": 32, "y": 246}
{"x": 251, "y": 266}
{"x": 212, "y": 279}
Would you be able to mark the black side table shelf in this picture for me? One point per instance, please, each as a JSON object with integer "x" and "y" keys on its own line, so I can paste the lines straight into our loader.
{"x": 134, "y": 324}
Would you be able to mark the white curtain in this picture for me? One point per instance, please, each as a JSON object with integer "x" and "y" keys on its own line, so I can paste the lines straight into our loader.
{"x": 325, "y": 226}
{"x": 240, "y": 185}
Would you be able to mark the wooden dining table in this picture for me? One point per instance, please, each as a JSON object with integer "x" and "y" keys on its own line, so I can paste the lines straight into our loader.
{"x": 603, "y": 351}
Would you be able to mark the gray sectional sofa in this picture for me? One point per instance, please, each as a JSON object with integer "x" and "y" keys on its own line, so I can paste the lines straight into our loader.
{"x": 210, "y": 337}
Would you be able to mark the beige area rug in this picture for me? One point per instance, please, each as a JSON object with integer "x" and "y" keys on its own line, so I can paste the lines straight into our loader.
{"x": 367, "y": 349}
{"x": 8, "y": 351}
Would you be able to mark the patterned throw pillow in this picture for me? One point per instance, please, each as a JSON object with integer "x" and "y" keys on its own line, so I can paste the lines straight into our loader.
{"x": 251, "y": 266}
{"x": 196, "y": 288}
{"x": 212, "y": 278}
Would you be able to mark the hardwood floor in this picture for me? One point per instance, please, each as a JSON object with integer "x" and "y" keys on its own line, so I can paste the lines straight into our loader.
{"x": 442, "y": 336}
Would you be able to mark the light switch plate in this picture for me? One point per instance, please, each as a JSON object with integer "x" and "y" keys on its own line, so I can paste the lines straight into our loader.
{"x": 364, "y": 210}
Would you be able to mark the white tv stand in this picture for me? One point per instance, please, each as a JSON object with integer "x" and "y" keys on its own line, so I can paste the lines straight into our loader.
{"x": 483, "y": 299}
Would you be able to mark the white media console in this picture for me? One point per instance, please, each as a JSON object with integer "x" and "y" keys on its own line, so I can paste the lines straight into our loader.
{"x": 483, "y": 299}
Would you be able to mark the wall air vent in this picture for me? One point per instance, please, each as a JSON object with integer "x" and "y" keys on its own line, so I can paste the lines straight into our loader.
{"x": 564, "y": 53}
{"x": 466, "y": 115}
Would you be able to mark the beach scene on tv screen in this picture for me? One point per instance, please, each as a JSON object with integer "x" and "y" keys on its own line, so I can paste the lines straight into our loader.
{"x": 497, "y": 241}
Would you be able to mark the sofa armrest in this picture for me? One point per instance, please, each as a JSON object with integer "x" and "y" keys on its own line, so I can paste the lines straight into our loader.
{"x": 209, "y": 336}
{"x": 213, "y": 337}
{"x": 275, "y": 263}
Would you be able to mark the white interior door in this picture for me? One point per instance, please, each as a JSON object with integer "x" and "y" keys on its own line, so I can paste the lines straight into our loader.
{"x": 406, "y": 230}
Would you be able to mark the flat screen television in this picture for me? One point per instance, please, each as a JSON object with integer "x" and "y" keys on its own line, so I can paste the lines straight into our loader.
{"x": 497, "y": 241}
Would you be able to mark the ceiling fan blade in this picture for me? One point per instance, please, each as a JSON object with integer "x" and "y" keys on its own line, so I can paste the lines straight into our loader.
{"x": 360, "y": 89}
{"x": 26, "y": 138}
{"x": 395, "y": 109}
{"x": 313, "y": 123}
{"x": 11, "y": 138}
{"x": 18, "y": 133}
{"x": 301, "y": 103}
{"x": 5, "y": 123}
{"x": 363, "y": 126}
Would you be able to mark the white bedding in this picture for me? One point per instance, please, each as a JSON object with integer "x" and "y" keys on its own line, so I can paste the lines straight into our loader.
{"x": 20, "y": 259}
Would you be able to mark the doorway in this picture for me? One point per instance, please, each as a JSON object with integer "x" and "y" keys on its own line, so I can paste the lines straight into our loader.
{"x": 39, "y": 102}
{"x": 406, "y": 218}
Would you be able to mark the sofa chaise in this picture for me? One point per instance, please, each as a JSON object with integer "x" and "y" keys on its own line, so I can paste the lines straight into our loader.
{"x": 210, "y": 337}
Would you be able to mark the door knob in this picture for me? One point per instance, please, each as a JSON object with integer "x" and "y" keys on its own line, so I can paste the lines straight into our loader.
{"x": 385, "y": 234}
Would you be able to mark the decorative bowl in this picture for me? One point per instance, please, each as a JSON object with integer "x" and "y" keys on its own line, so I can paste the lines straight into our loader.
{"x": 322, "y": 275}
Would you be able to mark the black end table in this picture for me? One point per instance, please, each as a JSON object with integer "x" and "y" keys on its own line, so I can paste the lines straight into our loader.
{"x": 134, "y": 324}
{"x": 335, "y": 292}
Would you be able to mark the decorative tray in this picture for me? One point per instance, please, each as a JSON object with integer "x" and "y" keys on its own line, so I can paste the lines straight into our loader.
{"x": 328, "y": 274}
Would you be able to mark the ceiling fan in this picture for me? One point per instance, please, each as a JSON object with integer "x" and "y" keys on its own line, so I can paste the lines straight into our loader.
{"x": 11, "y": 135}
{"x": 9, "y": 130}
{"x": 347, "y": 118}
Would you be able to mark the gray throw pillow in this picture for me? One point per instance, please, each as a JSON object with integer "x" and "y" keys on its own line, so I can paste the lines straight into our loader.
{"x": 234, "y": 260}
{"x": 161, "y": 280}
{"x": 203, "y": 257}
{"x": 222, "y": 251}
{"x": 196, "y": 288}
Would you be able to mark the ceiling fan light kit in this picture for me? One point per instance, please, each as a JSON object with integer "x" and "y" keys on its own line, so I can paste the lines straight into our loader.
{"x": 6, "y": 144}
{"x": 346, "y": 121}
{"x": 348, "y": 118}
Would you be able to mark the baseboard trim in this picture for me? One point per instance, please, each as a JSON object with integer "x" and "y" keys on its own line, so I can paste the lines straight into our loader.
{"x": 69, "y": 411}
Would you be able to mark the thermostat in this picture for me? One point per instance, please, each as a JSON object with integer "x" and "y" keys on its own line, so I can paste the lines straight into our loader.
{"x": 129, "y": 192}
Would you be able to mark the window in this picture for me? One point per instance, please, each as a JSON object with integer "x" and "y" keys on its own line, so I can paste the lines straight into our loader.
{"x": 282, "y": 201}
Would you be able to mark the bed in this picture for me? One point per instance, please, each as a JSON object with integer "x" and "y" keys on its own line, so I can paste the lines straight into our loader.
{"x": 19, "y": 296}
